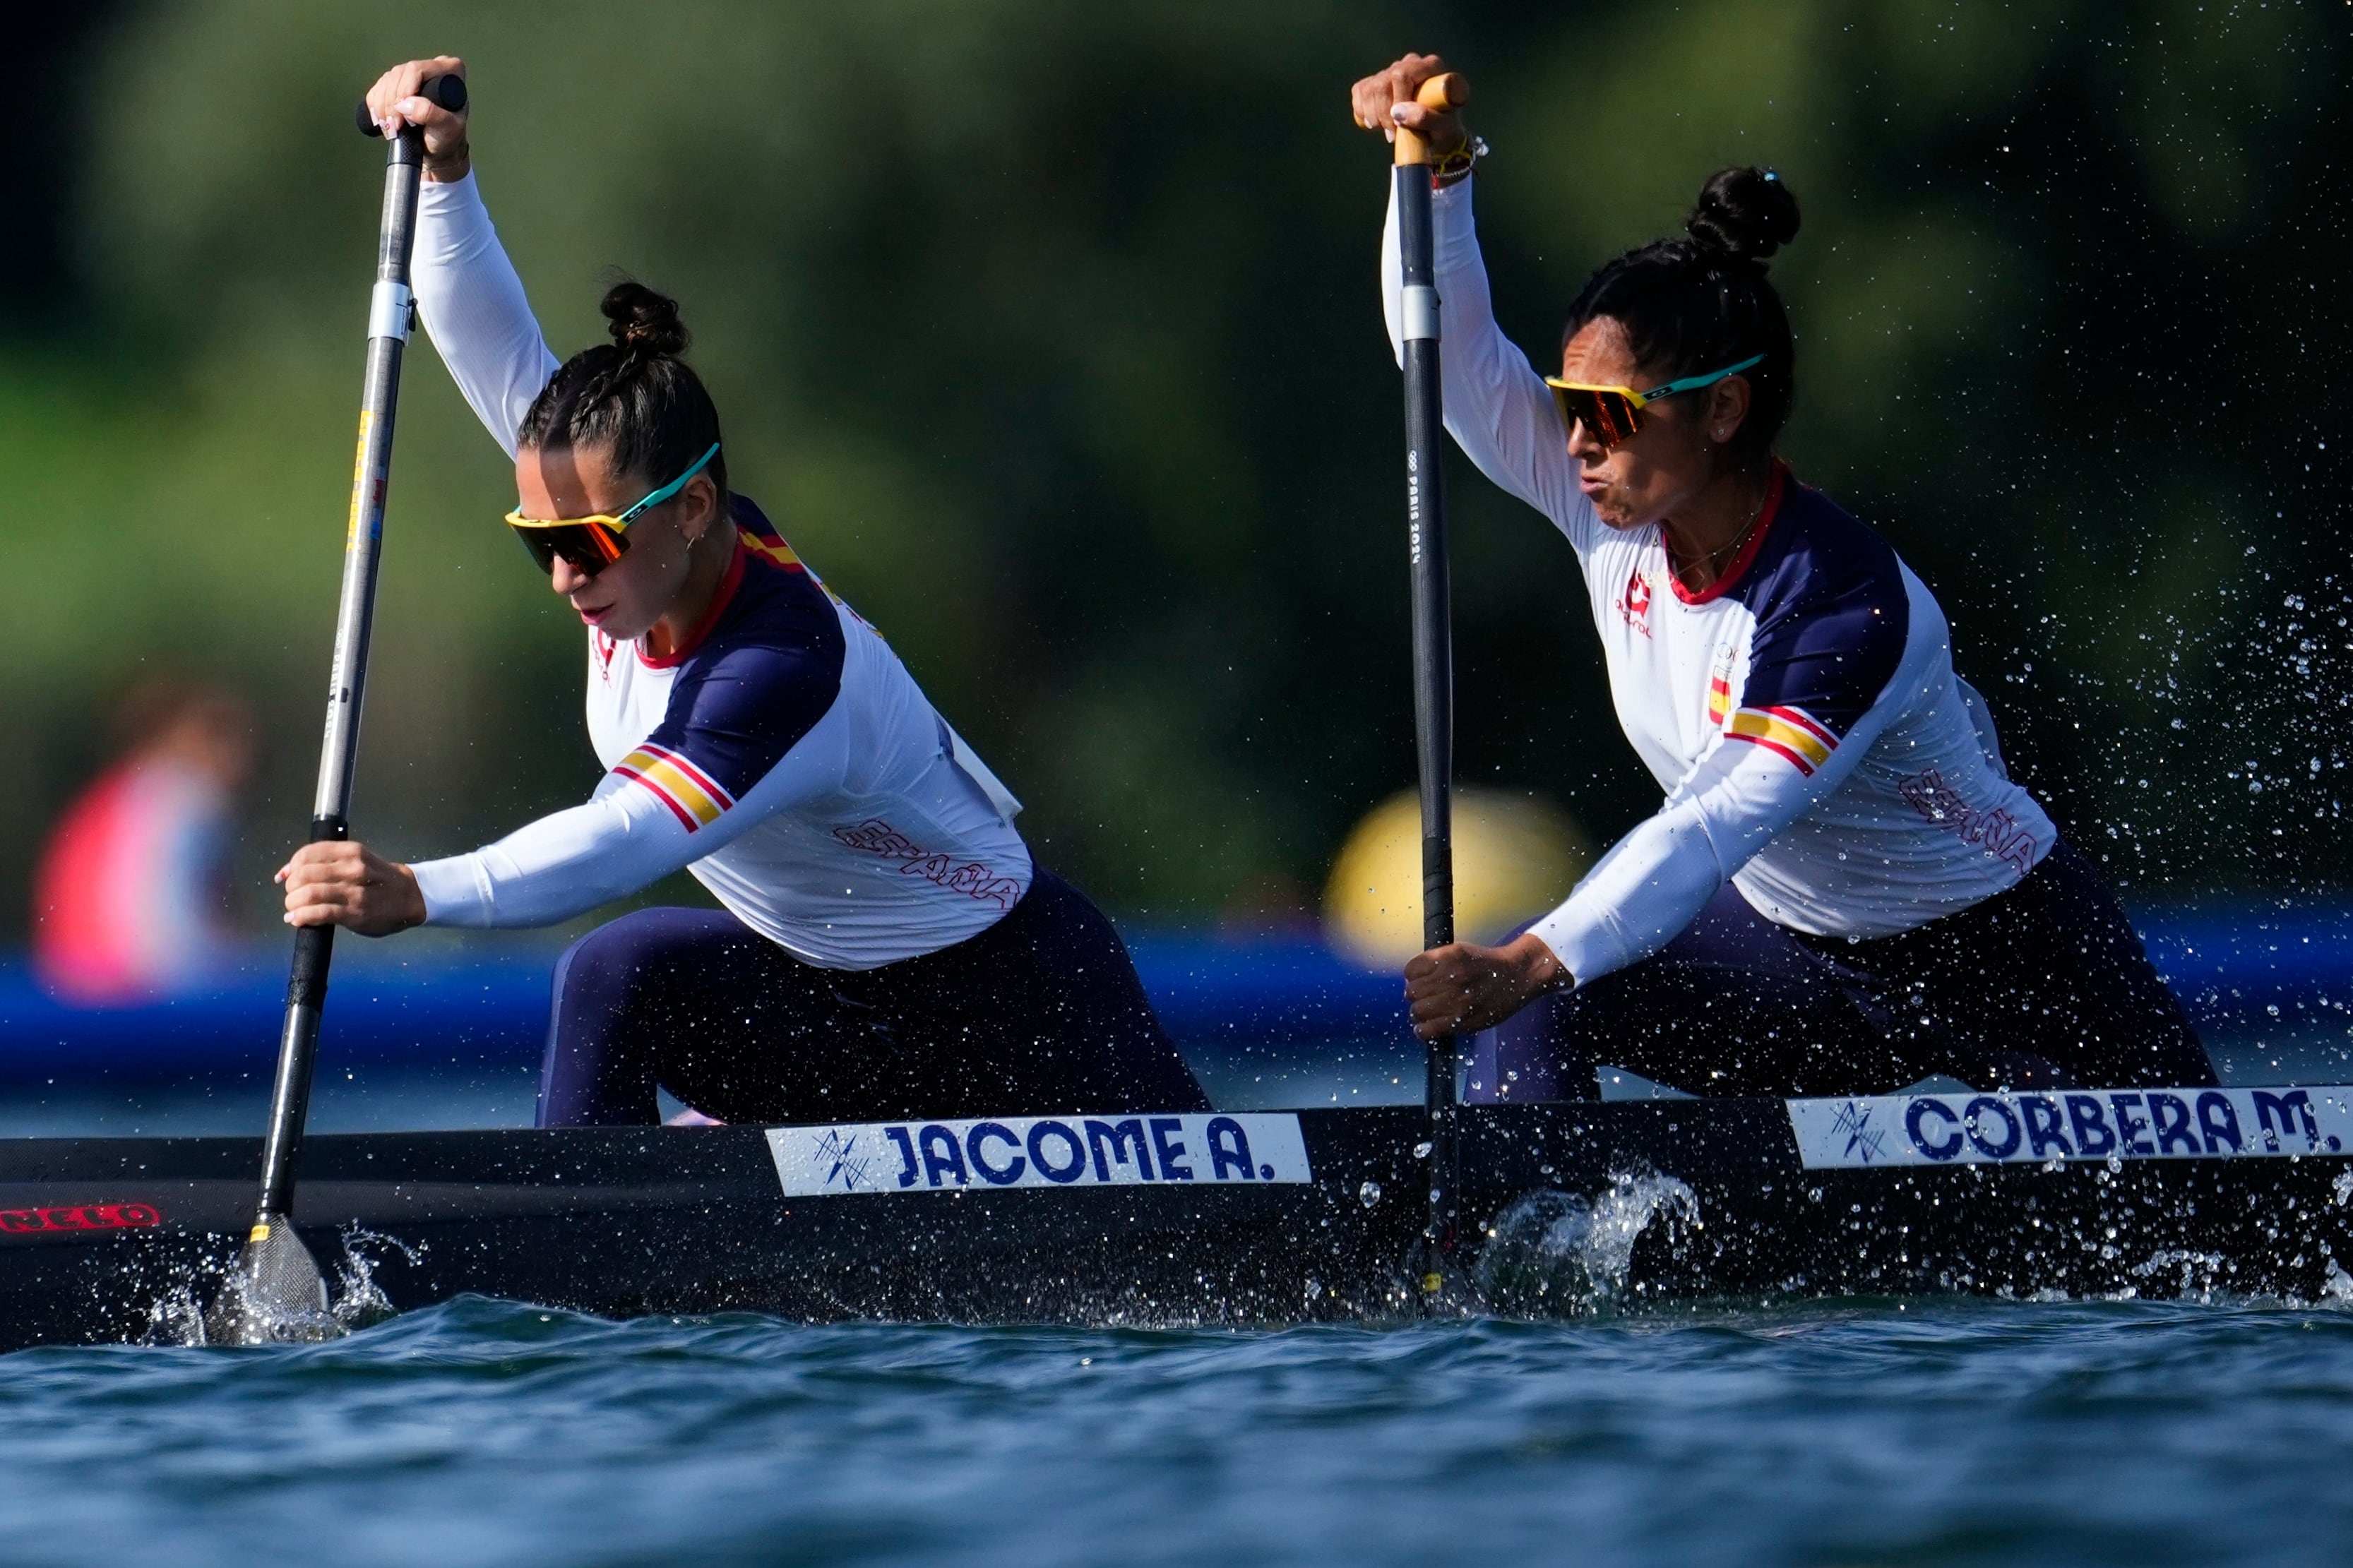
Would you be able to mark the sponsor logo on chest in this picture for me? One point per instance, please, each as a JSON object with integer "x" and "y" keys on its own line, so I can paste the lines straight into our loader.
{"x": 1634, "y": 604}
{"x": 2103, "y": 1125}
{"x": 1038, "y": 1152}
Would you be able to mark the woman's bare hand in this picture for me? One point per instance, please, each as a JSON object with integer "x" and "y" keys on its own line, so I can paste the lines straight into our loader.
{"x": 1385, "y": 100}
{"x": 396, "y": 101}
{"x": 350, "y": 885}
{"x": 1463, "y": 987}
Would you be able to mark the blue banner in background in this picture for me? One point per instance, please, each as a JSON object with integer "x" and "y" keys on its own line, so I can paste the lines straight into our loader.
{"x": 485, "y": 1004}
{"x": 2241, "y": 970}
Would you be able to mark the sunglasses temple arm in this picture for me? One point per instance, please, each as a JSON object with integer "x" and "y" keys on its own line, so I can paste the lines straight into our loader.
{"x": 668, "y": 491}
{"x": 1694, "y": 382}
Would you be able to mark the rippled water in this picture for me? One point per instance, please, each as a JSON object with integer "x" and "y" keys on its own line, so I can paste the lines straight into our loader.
{"x": 484, "y": 1432}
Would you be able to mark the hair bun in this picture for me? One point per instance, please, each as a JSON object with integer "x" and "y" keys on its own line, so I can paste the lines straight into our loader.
{"x": 1745, "y": 213}
{"x": 643, "y": 321}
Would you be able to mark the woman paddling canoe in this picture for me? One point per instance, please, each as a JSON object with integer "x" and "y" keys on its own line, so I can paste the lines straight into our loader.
{"x": 1844, "y": 890}
{"x": 887, "y": 948}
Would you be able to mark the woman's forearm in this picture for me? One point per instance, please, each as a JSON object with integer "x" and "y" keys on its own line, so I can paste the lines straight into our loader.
{"x": 560, "y": 865}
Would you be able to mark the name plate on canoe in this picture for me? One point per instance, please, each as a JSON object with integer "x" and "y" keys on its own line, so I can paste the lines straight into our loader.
{"x": 1196, "y": 1148}
{"x": 2101, "y": 1124}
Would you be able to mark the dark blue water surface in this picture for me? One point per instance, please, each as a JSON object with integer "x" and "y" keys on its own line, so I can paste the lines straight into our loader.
{"x": 485, "y": 1432}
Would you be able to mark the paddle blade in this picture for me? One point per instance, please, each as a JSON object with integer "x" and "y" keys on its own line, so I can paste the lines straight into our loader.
{"x": 274, "y": 1296}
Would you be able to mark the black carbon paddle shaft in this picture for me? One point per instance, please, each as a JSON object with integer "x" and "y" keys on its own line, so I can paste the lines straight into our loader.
{"x": 1433, "y": 667}
{"x": 389, "y": 314}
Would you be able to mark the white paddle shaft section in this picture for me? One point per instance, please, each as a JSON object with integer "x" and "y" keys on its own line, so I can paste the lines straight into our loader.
{"x": 1418, "y": 313}
{"x": 2103, "y": 1124}
{"x": 1199, "y": 1149}
{"x": 388, "y": 308}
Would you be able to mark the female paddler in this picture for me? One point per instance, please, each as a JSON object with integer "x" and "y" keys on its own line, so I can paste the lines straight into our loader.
{"x": 888, "y": 949}
{"x": 1844, "y": 891}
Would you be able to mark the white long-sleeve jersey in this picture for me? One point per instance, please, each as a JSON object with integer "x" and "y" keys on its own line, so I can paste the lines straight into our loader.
{"x": 782, "y": 753}
{"x": 1803, "y": 714}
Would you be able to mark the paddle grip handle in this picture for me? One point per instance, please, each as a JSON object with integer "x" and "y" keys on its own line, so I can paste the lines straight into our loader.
{"x": 448, "y": 91}
{"x": 1444, "y": 92}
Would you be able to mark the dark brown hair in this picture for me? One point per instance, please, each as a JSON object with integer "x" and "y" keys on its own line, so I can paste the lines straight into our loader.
{"x": 634, "y": 394}
{"x": 1698, "y": 304}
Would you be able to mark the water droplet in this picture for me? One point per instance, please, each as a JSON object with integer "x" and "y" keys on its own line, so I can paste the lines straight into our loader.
{"x": 1421, "y": 1150}
{"x": 1369, "y": 1193}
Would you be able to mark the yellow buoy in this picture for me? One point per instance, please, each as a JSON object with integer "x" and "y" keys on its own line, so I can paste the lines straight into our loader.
{"x": 1516, "y": 856}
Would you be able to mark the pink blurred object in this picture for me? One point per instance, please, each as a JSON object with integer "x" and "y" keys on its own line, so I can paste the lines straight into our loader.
{"x": 128, "y": 898}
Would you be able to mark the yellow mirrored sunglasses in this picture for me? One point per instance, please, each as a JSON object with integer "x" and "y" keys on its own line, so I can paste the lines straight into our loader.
{"x": 593, "y": 543}
{"x": 1612, "y": 414}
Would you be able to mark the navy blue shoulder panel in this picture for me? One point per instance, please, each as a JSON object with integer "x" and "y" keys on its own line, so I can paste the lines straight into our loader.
{"x": 1831, "y": 612}
{"x": 768, "y": 669}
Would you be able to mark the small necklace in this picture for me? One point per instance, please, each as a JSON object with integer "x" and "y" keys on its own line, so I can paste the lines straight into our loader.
{"x": 1735, "y": 542}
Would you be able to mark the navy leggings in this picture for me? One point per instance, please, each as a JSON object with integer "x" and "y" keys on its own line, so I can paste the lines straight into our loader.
{"x": 2042, "y": 985}
{"x": 1042, "y": 1013}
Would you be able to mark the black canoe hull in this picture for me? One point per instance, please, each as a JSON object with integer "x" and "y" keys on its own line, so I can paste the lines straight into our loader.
{"x": 113, "y": 1239}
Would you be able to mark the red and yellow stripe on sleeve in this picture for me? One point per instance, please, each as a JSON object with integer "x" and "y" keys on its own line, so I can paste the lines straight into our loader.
{"x": 678, "y": 783}
{"x": 1786, "y": 730}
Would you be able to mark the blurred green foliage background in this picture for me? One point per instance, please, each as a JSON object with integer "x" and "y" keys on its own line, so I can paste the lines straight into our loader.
{"x": 1049, "y": 332}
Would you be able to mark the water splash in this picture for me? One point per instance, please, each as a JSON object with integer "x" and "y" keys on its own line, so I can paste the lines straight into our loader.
{"x": 2193, "y": 1276}
{"x": 1552, "y": 1253}
{"x": 273, "y": 1294}
{"x": 359, "y": 1300}
{"x": 176, "y": 1314}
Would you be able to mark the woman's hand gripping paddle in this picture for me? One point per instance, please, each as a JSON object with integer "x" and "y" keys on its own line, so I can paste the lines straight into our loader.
{"x": 275, "y": 1293}
{"x": 1433, "y": 638}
